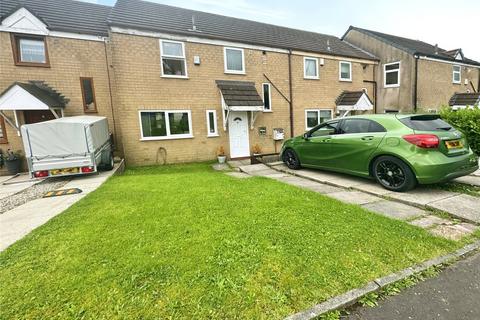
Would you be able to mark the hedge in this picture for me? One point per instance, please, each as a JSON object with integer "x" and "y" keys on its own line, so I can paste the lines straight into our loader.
{"x": 467, "y": 121}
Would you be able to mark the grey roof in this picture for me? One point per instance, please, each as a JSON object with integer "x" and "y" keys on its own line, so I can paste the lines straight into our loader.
{"x": 239, "y": 93}
{"x": 43, "y": 92}
{"x": 414, "y": 46}
{"x": 350, "y": 98}
{"x": 149, "y": 16}
{"x": 63, "y": 15}
{"x": 465, "y": 99}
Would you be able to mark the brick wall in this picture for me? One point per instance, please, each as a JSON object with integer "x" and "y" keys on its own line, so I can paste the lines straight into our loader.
{"x": 139, "y": 86}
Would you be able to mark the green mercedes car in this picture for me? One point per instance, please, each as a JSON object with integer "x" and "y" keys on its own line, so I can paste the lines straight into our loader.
{"x": 398, "y": 150}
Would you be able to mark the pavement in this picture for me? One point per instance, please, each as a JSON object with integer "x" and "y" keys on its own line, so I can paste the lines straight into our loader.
{"x": 453, "y": 295}
{"x": 21, "y": 220}
{"x": 414, "y": 207}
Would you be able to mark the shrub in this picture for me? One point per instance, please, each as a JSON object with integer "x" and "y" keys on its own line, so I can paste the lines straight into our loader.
{"x": 467, "y": 121}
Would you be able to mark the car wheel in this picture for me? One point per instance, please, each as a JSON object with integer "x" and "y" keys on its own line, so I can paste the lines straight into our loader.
{"x": 394, "y": 174}
{"x": 291, "y": 159}
{"x": 109, "y": 163}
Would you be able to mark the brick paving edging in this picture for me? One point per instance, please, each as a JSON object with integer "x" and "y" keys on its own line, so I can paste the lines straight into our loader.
{"x": 351, "y": 297}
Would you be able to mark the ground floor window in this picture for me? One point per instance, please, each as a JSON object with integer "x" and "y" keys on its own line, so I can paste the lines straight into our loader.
{"x": 212, "y": 123}
{"x": 3, "y": 131}
{"x": 162, "y": 124}
{"x": 314, "y": 117}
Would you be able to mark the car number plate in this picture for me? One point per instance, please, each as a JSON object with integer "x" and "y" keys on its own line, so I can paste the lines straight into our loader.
{"x": 454, "y": 144}
{"x": 59, "y": 172}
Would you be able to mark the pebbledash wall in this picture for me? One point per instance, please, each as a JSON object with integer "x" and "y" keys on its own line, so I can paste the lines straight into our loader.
{"x": 140, "y": 86}
{"x": 69, "y": 59}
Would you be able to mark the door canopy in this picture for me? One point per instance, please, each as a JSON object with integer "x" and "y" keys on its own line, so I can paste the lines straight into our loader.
{"x": 32, "y": 95}
{"x": 354, "y": 100}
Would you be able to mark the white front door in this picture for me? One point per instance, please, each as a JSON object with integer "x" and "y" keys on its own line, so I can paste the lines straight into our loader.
{"x": 238, "y": 133}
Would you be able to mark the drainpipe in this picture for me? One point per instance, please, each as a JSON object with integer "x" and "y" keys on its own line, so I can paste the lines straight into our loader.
{"x": 290, "y": 86}
{"x": 110, "y": 92}
{"x": 415, "y": 85}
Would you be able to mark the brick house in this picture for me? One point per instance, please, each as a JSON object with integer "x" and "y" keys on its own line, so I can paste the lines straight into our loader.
{"x": 414, "y": 75}
{"x": 52, "y": 63}
{"x": 222, "y": 81}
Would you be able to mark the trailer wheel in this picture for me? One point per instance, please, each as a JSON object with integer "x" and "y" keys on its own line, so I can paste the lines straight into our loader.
{"x": 108, "y": 165}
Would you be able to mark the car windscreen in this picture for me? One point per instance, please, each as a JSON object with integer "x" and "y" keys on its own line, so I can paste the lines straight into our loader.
{"x": 426, "y": 123}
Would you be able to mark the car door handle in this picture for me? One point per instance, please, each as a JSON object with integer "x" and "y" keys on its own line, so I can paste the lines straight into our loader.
{"x": 367, "y": 138}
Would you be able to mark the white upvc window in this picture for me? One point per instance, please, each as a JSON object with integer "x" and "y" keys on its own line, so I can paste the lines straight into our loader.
{"x": 173, "y": 61}
{"x": 267, "y": 97}
{"x": 313, "y": 117}
{"x": 165, "y": 124}
{"x": 391, "y": 75}
{"x": 457, "y": 74}
{"x": 345, "y": 71}
{"x": 212, "y": 128}
{"x": 310, "y": 68}
{"x": 234, "y": 60}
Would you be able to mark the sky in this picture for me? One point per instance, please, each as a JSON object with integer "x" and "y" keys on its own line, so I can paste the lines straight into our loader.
{"x": 450, "y": 24}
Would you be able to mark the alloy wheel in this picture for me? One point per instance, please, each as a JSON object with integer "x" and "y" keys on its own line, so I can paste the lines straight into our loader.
{"x": 390, "y": 174}
{"x": 291, "y": 159}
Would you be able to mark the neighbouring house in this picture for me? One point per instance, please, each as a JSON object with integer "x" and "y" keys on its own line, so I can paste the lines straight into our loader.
{"x": 53, "y": 63}
{"x": 414, "y": 75}
{"x": 188, "y": 82}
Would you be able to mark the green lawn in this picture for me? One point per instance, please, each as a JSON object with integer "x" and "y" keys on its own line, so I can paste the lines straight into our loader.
{"x": 187, "y": 242}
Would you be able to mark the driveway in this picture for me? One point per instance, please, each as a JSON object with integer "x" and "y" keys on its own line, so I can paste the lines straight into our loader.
{"x": 453, "y": 295}
{"x": 22, "y": 219}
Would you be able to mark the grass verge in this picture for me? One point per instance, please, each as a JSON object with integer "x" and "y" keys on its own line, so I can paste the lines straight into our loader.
{"x": 185, "y": 242}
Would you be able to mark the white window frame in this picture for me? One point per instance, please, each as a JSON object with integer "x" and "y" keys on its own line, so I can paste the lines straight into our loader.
{"x": 317, "y": 76}
{"x": 459, "y": 73}
{"x": 215, "y": 125}
{"x": 269, "y": 96}
{"x": 226, "y": 70}
{"x": 318, "y": 116}
{"x": 169, "y": 136}
{"x": 385, "y": 85}
{"x": 184, "y": 57}
{"x": 349, "y": 79}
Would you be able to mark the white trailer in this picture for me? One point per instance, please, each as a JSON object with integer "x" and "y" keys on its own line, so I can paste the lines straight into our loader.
{"x": 67, "y": 146}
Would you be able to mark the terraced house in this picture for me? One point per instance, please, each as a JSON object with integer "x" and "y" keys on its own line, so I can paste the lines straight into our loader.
{"x": 177, "y": 85}
{"x": 415, "y": 76}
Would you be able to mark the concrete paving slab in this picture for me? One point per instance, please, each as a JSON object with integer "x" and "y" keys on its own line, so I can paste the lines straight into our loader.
{"x": 354, "y": 197}
{"x": 238, "y": 163}
{"x": 299, "y": 182}
{"x": 452, "y": 232}
{"x": 253, "y": 167}
{"x": 18, "y": 222}
{"x": 463, "y": 206}
{"x": 220, "y": 167}
{"x": 239, "y": 175}
{"x": 325, "y": 188}
{"x": 421, "y": 195}
{"x": 372, "y": 187}
{"x": 395, "y": 210}
{"x": 470, "y": 180}
{"x": 263, "y": 173}
{"x": 430, "y": 221}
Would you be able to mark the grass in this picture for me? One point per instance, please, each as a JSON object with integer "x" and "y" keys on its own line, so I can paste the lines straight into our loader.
{"x": 460, "y": 188}
{"x": 185, "y": 242}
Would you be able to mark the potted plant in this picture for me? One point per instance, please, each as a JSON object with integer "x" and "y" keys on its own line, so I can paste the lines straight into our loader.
{"x": 221, "y": 155}
{"x": 257, "y": 150}
{"x": 13, "y": 161}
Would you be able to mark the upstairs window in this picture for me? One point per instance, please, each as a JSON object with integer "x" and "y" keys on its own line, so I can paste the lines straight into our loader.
{"x": 267, "y": 97}
{"x": 174, "y": 63}
{"x": 345, "y": 71}
{"x": 310, "y": 68}
{"x": 234, "y": 60}
{"x": 88, "y": 94}
{"x": 30, "y": 50}
{"x": 457, "y": 75}
{"x": 391, "y": 75}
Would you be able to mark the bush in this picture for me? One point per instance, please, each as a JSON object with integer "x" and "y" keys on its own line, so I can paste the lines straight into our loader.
{"x": 467, "y": 121}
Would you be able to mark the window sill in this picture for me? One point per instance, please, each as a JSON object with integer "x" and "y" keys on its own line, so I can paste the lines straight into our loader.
{"x": 174, "y": 77}
{"x": 90, "y": 111}
{"x": 345, "y": 80}
{"x": 459, "y": 83}
{"x": 392, "y": 86}
{"x": 167, "y": 138}
{"x": 32, "y": 64}
{"x": 267, "y": 111}
{"x": 213, "y": 135}
{"x": 235, "y": 72}
{"x": 311, "y": 78}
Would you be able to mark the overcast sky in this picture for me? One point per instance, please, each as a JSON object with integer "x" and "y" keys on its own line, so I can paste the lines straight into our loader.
{"x": 450, "y": 24}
